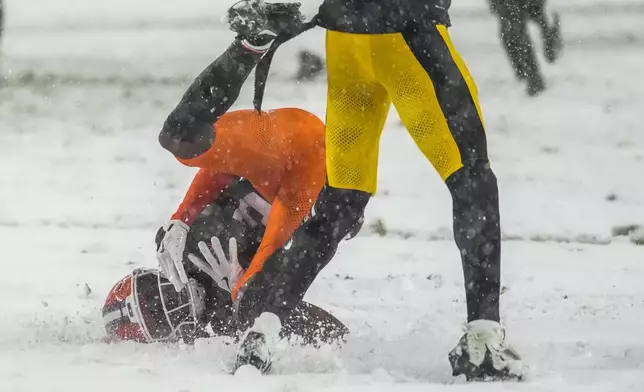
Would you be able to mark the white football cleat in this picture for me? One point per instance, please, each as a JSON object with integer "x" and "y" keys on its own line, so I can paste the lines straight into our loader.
{"x": 482, "y": 354}
{"x": 255, "y": 348}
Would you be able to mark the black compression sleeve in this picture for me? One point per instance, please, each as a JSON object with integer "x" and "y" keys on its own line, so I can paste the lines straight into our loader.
{"x": 187, "y": 131}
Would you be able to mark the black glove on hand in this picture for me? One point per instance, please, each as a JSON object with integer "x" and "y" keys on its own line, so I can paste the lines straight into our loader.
{"x": 256, "y": 17}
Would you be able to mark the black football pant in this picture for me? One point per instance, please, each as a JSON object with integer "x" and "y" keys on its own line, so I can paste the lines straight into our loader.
{"x": 288, "y": 274}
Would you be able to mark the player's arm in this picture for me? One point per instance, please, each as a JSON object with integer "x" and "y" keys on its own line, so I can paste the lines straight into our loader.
{"x": 204, "y": 189}
{"x": 188, "y": 130}
{"x": 171, "y": 238}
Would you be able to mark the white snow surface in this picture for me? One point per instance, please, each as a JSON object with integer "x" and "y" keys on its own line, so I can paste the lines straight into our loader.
{"x": 84, "y": 185}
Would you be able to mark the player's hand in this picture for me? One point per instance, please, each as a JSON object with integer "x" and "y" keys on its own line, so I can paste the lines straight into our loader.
{"x": 225, "y": 271}
{"x": 170, "y": 253}
{"x": 255, "y": 17}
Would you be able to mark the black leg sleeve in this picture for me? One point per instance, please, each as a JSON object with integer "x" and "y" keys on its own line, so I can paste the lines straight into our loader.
{"x": 477, "y": 233}
{"x": 188, "y": 130}
{"x": 288, "y": 273}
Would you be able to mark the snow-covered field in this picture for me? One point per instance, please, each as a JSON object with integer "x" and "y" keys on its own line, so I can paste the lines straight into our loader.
{"x": 84, "y": 186}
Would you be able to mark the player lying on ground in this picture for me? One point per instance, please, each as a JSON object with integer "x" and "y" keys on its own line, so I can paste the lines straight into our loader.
{"x": 379, "y": 53}
{"x": 144, "y": 306}
{"x": 280, "y": 152}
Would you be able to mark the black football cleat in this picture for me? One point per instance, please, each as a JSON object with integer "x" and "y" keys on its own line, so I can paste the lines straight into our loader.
{"x": 536, "y": 85}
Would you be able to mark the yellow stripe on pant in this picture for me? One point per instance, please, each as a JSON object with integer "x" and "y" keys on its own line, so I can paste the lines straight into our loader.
{"x": 366, "y": 73}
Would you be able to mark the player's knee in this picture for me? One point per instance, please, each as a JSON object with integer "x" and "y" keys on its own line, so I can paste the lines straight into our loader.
{"x": 184, "y": 136}
{"x": 474, "y": 183}
{"x": 343, "y": 208}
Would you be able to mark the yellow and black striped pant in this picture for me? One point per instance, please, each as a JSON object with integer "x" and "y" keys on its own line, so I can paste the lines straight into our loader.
{"x": 428, "y": 83}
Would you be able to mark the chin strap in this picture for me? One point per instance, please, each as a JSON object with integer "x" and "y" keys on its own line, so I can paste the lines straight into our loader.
{"x": 264, "y": 65}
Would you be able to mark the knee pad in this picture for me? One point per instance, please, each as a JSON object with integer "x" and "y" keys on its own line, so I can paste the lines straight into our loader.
{"x": 343, "y": 209}
{"x": 474, "y": 183}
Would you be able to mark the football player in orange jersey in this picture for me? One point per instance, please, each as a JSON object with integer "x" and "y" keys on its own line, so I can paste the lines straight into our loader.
{"x": 145, "y": 307}
{"x": 281, "y": 154}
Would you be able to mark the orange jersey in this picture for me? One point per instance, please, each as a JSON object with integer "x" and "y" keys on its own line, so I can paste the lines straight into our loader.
{"x": 281, "y": 153}
{"x": 204, "y": 189}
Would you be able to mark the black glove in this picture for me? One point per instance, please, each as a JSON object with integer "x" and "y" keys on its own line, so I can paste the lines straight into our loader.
{"x": 255, "y": 17}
